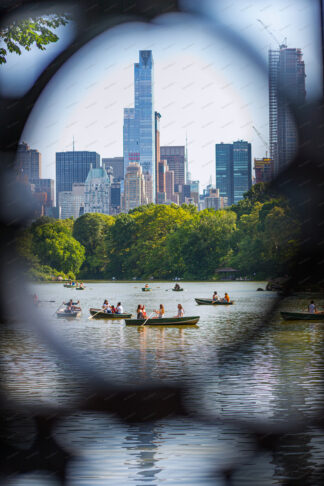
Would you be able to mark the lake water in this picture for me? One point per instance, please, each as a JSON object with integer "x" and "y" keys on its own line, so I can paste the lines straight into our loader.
{"x": 275, "y": 375}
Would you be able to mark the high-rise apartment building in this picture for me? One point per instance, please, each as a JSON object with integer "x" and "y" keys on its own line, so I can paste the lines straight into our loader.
{"x": 47, "y": 186}
{"x": 115, "y": 198}
{"x": 139, "y": 122}
{"x": 73, "y": 167}
{"x": 286, "y": 81}
{"x": 117, "y": 165}
{"x": 71, "y": 203}
{"x": 134, "y": 187}
{"x": 233, "y": 170}
{"x": 175, "y": 157}
{"x": 28, "y": 163}
{"x": 263, "y": 169}
{"x": 97, "y": 191}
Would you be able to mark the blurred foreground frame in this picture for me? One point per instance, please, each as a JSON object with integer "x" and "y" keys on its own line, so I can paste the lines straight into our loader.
{"x": 302, "y": 182}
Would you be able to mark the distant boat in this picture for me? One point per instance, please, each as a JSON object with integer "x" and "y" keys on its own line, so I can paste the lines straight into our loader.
{"x": 69, "y": 286}
{"x": 302, "y": 316}
{"x": 79, "y": 288}
{"x": 177, "y": 290}
{"x": 213, "y": 302}
{"x": 164, "y": 321}
{"x": 100, "y": 314}
{"x": 146, "y": 289}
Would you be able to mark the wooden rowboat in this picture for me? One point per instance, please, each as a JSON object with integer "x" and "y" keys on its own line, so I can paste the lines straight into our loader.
{"x": 79, "y": 288}
{"x": 177, "y": 290}
{"x": 63, "y": 312}
{"x": 100, "y": 314}
{"x": 302, "y": 316}
{"x": 146, "y": 289}
{"x": 164, "y": 321}
{"x": 213, "y": 302}
{"x": 68, "y": 286}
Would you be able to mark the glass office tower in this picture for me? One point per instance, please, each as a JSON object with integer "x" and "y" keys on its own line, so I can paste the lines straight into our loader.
{"x": 224, "y": 170}
{"x": 73, "y": 167}
{"x": 242, "y": 169}
{"x": 139, "y": 122}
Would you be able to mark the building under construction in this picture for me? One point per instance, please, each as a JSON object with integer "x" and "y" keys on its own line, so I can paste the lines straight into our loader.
{"x": 286, "y": 82}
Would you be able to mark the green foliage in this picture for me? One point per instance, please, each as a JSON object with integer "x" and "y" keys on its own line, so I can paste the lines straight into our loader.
{"x": 32, "y": 30}
{"x": 91, "y": 230}
{"x": 258, "y": 236}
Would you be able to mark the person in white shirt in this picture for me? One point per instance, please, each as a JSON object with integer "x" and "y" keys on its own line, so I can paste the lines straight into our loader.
{"x": 119, "y": 308}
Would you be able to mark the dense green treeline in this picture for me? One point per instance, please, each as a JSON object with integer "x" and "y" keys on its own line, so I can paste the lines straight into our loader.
{"x": 258, "y": 236}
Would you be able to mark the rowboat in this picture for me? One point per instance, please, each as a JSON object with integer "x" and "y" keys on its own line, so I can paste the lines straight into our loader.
{"x": 100, "y": 314}
{"x": 68, "y": 286}
{"x": 302, "y": 316}
{"x": 177, "y": 290}
{"x": 164, "y": 321}
{"x": 79, "y": 288}
{"x": 213, "y": 302}
{"x": 65, "y": 313}
{"x": 146, "y": 289}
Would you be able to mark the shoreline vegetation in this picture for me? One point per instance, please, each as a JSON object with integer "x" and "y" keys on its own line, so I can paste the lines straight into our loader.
{"x": 258, "y": 237}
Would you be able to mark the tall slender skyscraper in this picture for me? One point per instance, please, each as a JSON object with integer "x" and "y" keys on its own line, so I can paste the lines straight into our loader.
{"x": 286, "y": 81}
{"x": 139, "y": 122}
{"x": 224, "y": 170}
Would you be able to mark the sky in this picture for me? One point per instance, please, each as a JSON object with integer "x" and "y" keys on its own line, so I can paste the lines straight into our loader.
{"x": 204, "y": 87}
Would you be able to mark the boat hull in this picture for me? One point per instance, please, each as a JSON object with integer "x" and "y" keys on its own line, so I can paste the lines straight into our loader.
{"x": 68, "y": 315}
{"x": 302, "y": 316}
{"x": 80, "y": 288}
{"x": 146, "y": 290}
{"x": 177, "y": 290}
{"x": 106, "y": 315}
{"x": 165, "y": 321}
{"x": 69, "y": 286}
{"x": 211, "y": 302}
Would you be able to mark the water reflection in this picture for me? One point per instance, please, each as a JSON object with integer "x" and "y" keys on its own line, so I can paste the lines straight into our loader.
{"x": 277, "y": 375}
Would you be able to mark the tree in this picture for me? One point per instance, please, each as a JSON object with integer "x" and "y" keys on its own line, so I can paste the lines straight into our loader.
{"x": 55, "y": 246}
{"x": 30, "y": 31}
{"x": 91, "y": 230}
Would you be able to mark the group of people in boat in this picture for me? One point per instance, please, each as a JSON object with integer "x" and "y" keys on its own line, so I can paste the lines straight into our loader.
{"x": 76, "y": 284}
{"x": 159, "y": 313}
{"x": 72, "y": 306}
{"x": 216, "y": 297}
{"x": 111, "y": 309}
{"x": 176, "y": 287}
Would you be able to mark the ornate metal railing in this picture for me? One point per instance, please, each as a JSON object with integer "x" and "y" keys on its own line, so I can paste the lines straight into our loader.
{"x": 302, "y": 182}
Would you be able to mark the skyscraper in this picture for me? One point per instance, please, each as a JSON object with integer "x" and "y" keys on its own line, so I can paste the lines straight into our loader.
{"x": 47, "y": 186}
{"x": 117, "y": 164}
{"x": 175, "y": 157}
{"x": 139, "y": 122}
{"x": 286, "y": 81}
{"x": 28, "y": 163}
{"x": 242, "y": 169}
{"x": 224, "y": 170}
{"x": 233, "y": 170}
{"x": 73, "y": 167}
{"x": 71, "y": 203}
{"x": 97, "y": 191}
{"x": 157, "y": 117}
{"x": 134, "y": 187}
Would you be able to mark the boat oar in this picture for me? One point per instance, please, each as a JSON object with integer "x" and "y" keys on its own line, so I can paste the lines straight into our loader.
{"x": 95, "y": 314}
{"x": 58, "y": 308}
{"x": 46, "y": 301}
{"x": 147, "y": 319}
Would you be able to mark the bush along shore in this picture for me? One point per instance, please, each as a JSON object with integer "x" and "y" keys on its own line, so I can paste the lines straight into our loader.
{"x": 258, "y": 237}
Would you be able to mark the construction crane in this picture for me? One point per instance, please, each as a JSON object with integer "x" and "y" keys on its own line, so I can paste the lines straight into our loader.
{"x": 266, "y": 27}
{"x": 262, "y": 139}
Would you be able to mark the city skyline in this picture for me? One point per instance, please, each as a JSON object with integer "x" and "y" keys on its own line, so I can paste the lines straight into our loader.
{"x": 196, "y": 92}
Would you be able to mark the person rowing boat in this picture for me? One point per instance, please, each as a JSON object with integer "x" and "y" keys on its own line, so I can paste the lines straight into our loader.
{"x": 159, "y": 313}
